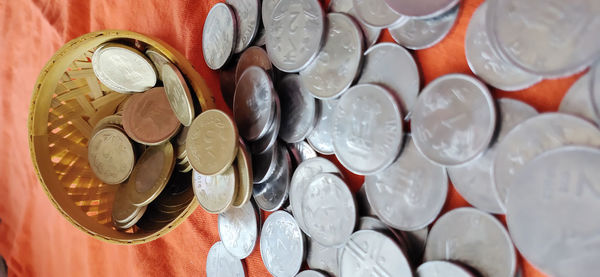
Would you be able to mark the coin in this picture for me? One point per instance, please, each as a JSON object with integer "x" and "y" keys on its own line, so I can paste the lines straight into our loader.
{"x": 371, "y": 34}
{"x": 367, "y": 129}
{"x": 267, "y": 8}
{"x": 212, "y": 142}
{"x": 122, "y": 68}
{"x": 126, "y": 225}
{"x": 454, "y": 119}
{"x": 247, "y": 17}
{"x": 329, "y": 210}
{"x": 253, "y": 107}
{"x": 111, "y": 155}
{"x": 300, "y": 151}
{"x": 393, "y": 67}
{"x": 282, "y": 245}
{"x": 295, "y": 31}
{"x": 377, "y": 13}
{"x": 268, "y": 141}
{"x": 238, "y": 230}
{"x": 264, "y": 164}
{"x": 577, "y": 100}
{"x": 151, "y": 174}
{"x": 216, "y": 193}
{"x": 549, "y": 211}
{"x": 485, "y": 61}
{"x": 253, "y": 56}
{"x": 310, "y": 273}
{"x": 157, "y": 58}
{"x": 417, "y": 33}
{"x": 272, "y": 194}
{"x": 113, "y": 120}
{"x": 372, "y": 223}
{"x": 219, "y": 35}
{"x": 473, "y": 180}
{"x": 301, "y": 109}
{"x": 321, "y": 138}
{"x": 474, "y": 238}
{"x": 178, "y": 94}
{"x": 323, "y": 258}
{"x": 439, "y": 268}
{"x": 421, "y": 9}
{"x": 370, "y": 251}
{"x": 243, "y": 163}
{"x": 333, "y": 71}
{"x": 148, "y": 118}
{"x": 220, "y": 262}
{"x": 123, "y": 211}
{"x": 533, "y": 137}
{"x": 539, "y": 36}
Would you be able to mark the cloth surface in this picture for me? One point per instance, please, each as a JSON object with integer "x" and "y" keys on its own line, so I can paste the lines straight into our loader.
{"x": 36, "y": 240}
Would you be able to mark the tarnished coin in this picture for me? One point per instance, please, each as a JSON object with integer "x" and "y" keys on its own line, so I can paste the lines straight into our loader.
{"x": 220, "y": 262}
{"x": 122, "y": 68}
{"x": 533, "y": 137}
{"x": 243, "y": 162}
{"x": 301, "y": 110}
{"x": 442, "y": 268}
{"x": 377, "y": 13}
{"x": 253, "y": 107}
{"x": 367, "y": 129}
{"x": 475, "y": 238}
{"x": 485, "y": 61}
{"x": 178, "y": 94}
{"x": 157, "y": 58}
{"x": 295, "y": 33}
{"x": 417, "y": 33}
{"x": 473, "y": 180}
{"x": 216, "y": 193}
{"x": 151, "y": 174}
{"x": 410, "y": 193}
{"x": 123, "y": 211}
{"x": 421, "y": 9}
{"x": 551, "y": 211}
{"x": 321, "y": 137}
{"x": 393, "y": 67}
{"x": 212, "y": 142}
{"x": 334, "y": 71}
{"x": 329, "y": 210}
{"x": 454, "y": 119}
{"x": 238, "y": 230}
{"x": 323, "y": 258}
{"x": 253, "y": 56}
{"x": 268, "y": 140}
{"x": 111, "y": 155}
{"x": 577, "y": 100}
{"x": 310, "y": 273}
{"x": 219, "y": 35}
{"x": 301, "y": 151}
{"x": 371, "y": 34}
{"x": 247, "y": 16}
{"x": 370, "y": 251}
{"x": 272, "y": 194}
{"x": 282, "y": 244}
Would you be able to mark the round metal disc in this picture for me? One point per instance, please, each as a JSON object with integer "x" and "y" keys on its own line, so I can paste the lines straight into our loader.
{"x": 247, "y": 15}
{"x": 267, "y": 142}
{"x": 371, "y": 34}
{"x": 178, "y": 93}
{"x": 282, "y": 244}
{"x": 272, "y": 194}
{"x": 421, "y": 8}
{"x": 253, "y": 107}
{"x": 321, "y": 137}
{"x": 215, "y": 193}
{"x": 377, "y": 13}
{"x": 264, "y": 164}
{"x": 218, "y": 36}
{"x": 300, "y": 108}
{"x": 323, "y": 258}
{"x": 238, "y": 230}
{"x": 577, "y": 100}
{"x": 220, "y": 262}
{"x": 417, "y": 34}
{"x": 123, "y": 69}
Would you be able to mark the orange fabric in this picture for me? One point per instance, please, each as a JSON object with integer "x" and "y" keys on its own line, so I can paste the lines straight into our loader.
{"x": 35, "y": 239}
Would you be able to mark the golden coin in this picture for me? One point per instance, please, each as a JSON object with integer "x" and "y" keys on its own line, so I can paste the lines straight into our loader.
{"x": 212, "y": 142}
{"x": 215, "y": 193}
{"x": 151, "y": 174}
{"x": 178, "y": 93}
{"x": 113, "y": 120}
{"x": 111, "y": 155}
{"x": 243, "y": 163}
{"x": 126, "y": 225}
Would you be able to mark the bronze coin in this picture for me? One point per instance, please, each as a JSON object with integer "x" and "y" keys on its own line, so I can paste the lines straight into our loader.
{"x": 253, "y": 56}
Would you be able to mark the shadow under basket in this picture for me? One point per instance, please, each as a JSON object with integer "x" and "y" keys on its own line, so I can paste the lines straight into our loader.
{"x": 68, "y": 100}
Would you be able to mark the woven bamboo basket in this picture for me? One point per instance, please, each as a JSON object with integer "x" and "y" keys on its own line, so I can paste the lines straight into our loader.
{"x": 67, "y": 102}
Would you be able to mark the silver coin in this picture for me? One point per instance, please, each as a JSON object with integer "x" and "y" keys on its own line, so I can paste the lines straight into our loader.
{"x": 158, "y": 59}
{"x": 282, "y": 245}
{"x": 220, "y": 262}
{"x": 295, "y": 32}
{"x": 551, "y": 213}
{"x": 417, "y": 34}
{"x": 410, "y": 193}
{"x": 300, "y": 108}
{"x": 577, "y": 100}
{"x": 474, "y": 238}
{"x": 485, "y": 61}
{"x": 267, "y": 8}
{"x": 367, "y": 129}
{"x": 219, "y": 36}
{"x": 551, "y": 38}
{"x": 368, "y": 252}
{"x": 362, "y": 202}
{"x": 334, "y": 71}
{"x": 372, "y": 223}
{"x": 178, "y": 94}
{"x": 533, "y": 137}
{"x": 473, "y": 180}
{"x": 393, "y": 67}
{"x": 304, "y": 173}
{"x": 321, "y": 138}
{"x": 595, "y": 90}
{"x": 247, "y": 16}
{"x": 264, "y": 164}
{"x": 311, "y": 273}
{"x": 370, "y": 33}
{"x": 323, "y": 258}
{"x": 377, "y": 13}
{"x": 123, "y": 69}
{"x": 253, "y": 107}
{"x": 272, "y": 194}
{"x": 268, "y": 141}
{"x": 420, "y": 8}
{"x": 442, "y": 268}
{"x": 238, "y": 230}
{"x": 454, "y": 119}
{"x": 301, "y": 151}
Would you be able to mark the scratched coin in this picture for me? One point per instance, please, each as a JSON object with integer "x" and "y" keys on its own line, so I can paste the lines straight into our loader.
{"x": 474, "y": 238}
{"x": 371, "y": 34}
{"x": 268, "y": 140}
{"x": 473, "y": 180}
{"x": 264, "y": 164}
{"x": 533, "y": 137}
{"x": 485, "y": 61}
{"x": 238, "y": 230}
{"x": 123, "y": 69}
{"x": 417, "y": 33}
{"x": 393, "y": 67}
{"x": 321, "y": 136}
{"x": 248, "y": 18}
{"x": 216, "y": 193}
{"x": 272, "y": 194}
{"x": 253, "y": 107}
{"x": 220, "y": 262}
{"x": 421, "y": 9}
{"x": 410, "y": 193}
{"x": 367, "y": 129}
{"x": 300, "y": 151}
{"x": 301, "y": 110}
{"x": 442, "y": 268}
{"x": 253, "y": 56}
{"x": 323, "y": 258}
{"x": 369, "y": 251}
{"x": 111, "y": 155}
{"x": 282, "y": 244}
{"x": 219, "y": 36}
{"x": 577, "y": 100}
{"x": 548, "y": 211}
{"x": 295, "y": 33}
{"x": 454, "y": 119}
{"x": 334, "y": 71}
{"x": 310, "y": 273}
{"x": 178, "y": 94}
{"x": 377, "y": 13}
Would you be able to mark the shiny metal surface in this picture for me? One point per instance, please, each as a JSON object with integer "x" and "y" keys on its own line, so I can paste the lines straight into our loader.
{"x": 417, "y": 34}
{"x": 272, "y": 194}
{"x": 323, "y": 258}
{"x": 442, "y": 268}
{"x": 247, "y": 15}
{"x": 421, "y": 8}
{"x": 301, "y": 109}
{"x": 321, "y": 137}
{"x": 377, "y": 13}
{"x": 123, "y": 69}
{"x": 282, "y": 245}
{"x": 253, "y": 107}
{"x": 264, "y": 164}
{"x": 219, "y": 36}
{"x": 578, "y": 100}
{"x": 371, "y": 34}
{"x": 238, "y": 230}
{"x": 220, "y": 262}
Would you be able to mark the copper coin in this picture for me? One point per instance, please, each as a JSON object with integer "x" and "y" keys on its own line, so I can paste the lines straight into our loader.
{"x": 149, "y": 119}
{"x": 253, "y": 56}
